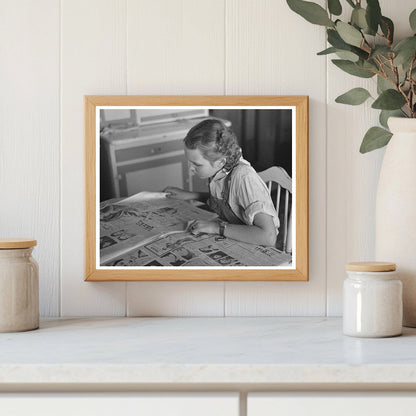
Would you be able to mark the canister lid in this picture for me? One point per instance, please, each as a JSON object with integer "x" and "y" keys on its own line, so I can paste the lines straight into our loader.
{"x": 11, "y": 243}
{"x": 371, "y": 266}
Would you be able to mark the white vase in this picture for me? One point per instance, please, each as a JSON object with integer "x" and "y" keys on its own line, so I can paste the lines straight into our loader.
{"x": 396, "y": 210}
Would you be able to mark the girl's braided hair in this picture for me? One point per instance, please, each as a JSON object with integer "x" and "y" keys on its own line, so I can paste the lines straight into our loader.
{"x": 215, "y": 140}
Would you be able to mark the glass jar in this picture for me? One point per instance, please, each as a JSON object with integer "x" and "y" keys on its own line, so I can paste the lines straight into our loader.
{"x": 19, "y": 286}
{"x": 372, "y": 297}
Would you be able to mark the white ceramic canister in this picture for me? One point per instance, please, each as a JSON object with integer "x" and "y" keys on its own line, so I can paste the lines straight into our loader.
{"x": 19, "y": 286}
{"x": 372, "y": 297}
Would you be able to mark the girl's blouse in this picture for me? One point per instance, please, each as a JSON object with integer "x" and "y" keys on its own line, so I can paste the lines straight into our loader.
{"x": 248, "y": 194}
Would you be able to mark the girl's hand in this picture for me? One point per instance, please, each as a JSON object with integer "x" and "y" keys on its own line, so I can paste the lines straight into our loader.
{"x": 199, "y": 226}
{"x": 178, "y": 193}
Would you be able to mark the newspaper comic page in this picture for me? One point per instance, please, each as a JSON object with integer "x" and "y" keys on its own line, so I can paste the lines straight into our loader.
{"x": 150, "y": 230}
{"x": 135, "y": 221}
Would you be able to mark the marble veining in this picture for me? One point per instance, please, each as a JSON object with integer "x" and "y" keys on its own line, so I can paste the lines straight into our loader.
{"x": 203, "y": 350}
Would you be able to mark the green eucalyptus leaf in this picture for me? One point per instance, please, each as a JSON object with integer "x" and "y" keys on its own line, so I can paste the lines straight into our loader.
{"x": 334, "y": 7}
{"x": 373, "y": 15}
{"x": 405, "y": 50}
{"x": 387, "y": 27}
{"x": 370, "y": 65}
{"x": 349, "y": 34}
{"x": 347, "y": 55}
{"x": 383, "y": 84}
{"x": 412, "y": 20}
{"x": 386, "y": 114}
{"x": 358, "y": 18}
{"x": 327, "y": 51}
{"x": 405, "y": 43}
{"x": 389, "y": 100}
{"x": 352, "y": 68}
{"x": 356, "y": 96}
{"x": 311, "y": 12}
{"x": 336, "y": 41}
{"x": 350, "y": 56}
{"x": 360, "y": 52}
{"x": 381, "y": 50}
{"x": 375, "y": 138}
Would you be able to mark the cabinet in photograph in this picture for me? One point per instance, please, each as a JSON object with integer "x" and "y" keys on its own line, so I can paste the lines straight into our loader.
{"x": 142, "y": 150}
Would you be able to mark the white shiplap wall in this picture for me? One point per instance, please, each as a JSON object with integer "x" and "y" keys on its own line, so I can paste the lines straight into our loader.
{"x": 55, "y": 52}
{"x": 30, "y": 134}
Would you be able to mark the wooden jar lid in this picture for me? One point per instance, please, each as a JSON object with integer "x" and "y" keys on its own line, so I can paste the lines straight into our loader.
{"x": 371, "y": 266}
{"x": 11, "y": 243}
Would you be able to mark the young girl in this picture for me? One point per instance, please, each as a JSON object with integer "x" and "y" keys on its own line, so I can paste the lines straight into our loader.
{"x": 236, "y": 193}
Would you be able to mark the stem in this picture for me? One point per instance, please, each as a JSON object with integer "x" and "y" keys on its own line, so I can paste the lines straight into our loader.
{"x": 406, "y": 97}
{"x": 372, "y": 71}
{"x": 396, "y": 83}
{"x": 384, "y": 73}
{"x": 395, "y": 71}
{"x": 388, "y": 33}
{"x": 412, "y": 88}
{"x": 366, "y": 43}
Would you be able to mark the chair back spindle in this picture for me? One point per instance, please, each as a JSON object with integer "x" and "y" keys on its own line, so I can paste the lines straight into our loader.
{"x": 280, "y": 177}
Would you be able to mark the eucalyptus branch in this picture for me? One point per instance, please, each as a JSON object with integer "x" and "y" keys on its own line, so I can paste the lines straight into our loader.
{"x": 412, "y": 86}
{"x": 413, "y": 89}
{"x": 393, "y": 68}
{"x": 384, "y": 73}
{"x": 368, "y": 34}
{"x": 395, "y": 71}
{"x": 370, "y": 70}
{"x": 380, "y": 64}
{"x": 412, "y": 65}
{"x": 386, "y": 37}
{"x": 406, "y": 97}
{"x": 366, "y": 43}
{"x": 386, "y": 60}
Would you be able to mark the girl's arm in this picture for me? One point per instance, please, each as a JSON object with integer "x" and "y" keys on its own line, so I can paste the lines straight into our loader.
{"x": 178, "y": 193}
{"x": 262, "y": 232}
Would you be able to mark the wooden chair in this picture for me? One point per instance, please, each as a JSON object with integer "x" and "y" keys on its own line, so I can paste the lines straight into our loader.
{"x": 283, "y": 181}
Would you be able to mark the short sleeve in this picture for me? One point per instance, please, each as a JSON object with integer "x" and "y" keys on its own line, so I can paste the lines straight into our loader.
{"x": 254, "y": 198}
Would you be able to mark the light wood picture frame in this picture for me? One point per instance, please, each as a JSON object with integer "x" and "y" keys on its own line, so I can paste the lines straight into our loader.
{"x": 121, "y": 149}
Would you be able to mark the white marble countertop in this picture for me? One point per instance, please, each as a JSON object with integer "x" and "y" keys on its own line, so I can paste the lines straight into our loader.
{"x": 248, "y": 352}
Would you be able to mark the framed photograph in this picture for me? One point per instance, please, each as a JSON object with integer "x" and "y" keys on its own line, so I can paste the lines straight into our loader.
{"x": 196, "y": 188}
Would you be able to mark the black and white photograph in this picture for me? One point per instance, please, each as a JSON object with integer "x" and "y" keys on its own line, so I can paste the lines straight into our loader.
{"x": 200, "y": 187}
{"x": 196, "y": 187}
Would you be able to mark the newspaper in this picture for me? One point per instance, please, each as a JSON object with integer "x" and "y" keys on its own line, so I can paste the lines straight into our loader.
{"x": 150, "y": 230}
{"x": 135, "y": 221}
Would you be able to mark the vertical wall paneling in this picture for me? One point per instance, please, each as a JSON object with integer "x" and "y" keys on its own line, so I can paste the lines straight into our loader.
{"x": 268, "y": 50}
{"x": 55, "y": 52}
{"x": 29, "y": 135}
{"x": 352, "y": 177}
{"x": 93, "y": 62}
{"x": 175, "y": 48}
{"x": 175, "y": 299}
